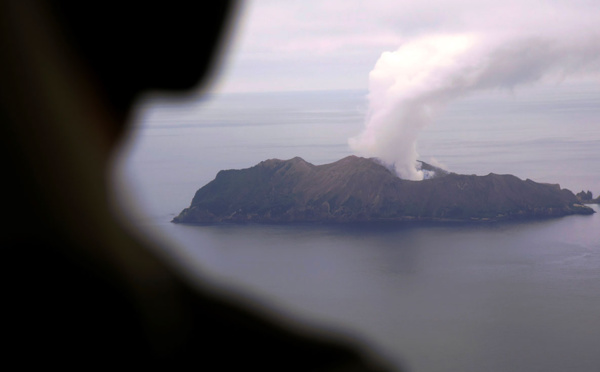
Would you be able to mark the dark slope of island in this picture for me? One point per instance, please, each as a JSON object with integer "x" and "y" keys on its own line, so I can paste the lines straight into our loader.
{"x": 359, "y": 189}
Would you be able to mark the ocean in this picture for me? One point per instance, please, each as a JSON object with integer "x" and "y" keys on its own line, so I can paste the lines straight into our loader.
{"x": 493, "y": 297}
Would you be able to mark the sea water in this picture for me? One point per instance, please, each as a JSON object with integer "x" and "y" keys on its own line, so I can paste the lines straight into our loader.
{"x": 494, "y": 297}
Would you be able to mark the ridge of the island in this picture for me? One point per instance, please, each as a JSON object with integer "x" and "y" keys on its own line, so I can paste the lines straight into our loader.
{"x": 357, "y": 189}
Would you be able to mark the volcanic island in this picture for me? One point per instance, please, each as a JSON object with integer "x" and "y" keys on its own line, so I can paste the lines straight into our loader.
{"x": 356, "y": 189}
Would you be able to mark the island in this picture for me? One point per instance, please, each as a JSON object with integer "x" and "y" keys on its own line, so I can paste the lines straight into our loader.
{"x": 587, "y": 197}
{"x": 356, "y": 189}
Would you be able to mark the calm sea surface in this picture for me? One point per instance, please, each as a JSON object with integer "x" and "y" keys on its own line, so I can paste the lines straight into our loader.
{"x": 499, "y": 297}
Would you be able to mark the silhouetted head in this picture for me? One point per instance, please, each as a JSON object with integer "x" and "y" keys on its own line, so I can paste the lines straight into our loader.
{"x": 138, "y": 46}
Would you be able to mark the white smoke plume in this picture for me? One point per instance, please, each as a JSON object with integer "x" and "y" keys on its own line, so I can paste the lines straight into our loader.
{"x": 407, "y": 87}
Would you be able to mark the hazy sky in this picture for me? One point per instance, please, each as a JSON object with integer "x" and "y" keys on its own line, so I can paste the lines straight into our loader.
{"x": 281, "y": 45}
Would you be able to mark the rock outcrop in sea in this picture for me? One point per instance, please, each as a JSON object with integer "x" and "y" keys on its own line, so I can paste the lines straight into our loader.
{"x": 587, "y": 197}
{"x": 358, "y": 189}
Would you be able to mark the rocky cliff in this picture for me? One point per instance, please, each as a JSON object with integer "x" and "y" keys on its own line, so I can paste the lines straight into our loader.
{"x": 359, "y": 189}
{"x": 587, "y": 197}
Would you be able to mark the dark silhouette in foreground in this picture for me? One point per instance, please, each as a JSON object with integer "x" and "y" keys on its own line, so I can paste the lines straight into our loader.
{"x": 81, "y": 290}
{"x": 356, "y": 189}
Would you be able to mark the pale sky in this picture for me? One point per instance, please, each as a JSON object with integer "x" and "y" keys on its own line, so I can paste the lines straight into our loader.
{"x": 282, "y": 45}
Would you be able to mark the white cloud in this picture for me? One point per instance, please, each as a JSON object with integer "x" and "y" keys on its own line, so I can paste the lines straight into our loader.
{"x": 315, "y": 44}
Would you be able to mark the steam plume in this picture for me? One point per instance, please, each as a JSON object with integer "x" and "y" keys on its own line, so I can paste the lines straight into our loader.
{"x": 408, "y": 86}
